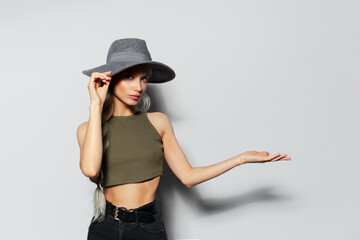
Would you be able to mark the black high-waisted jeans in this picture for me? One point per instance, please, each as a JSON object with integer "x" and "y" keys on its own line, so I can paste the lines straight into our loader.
{"x": 112, "y": 229}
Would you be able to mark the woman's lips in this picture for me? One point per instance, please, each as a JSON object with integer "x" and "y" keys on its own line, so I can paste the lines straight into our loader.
{"x": 135, "y": 97}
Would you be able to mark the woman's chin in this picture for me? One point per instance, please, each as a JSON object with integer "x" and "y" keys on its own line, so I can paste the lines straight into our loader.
{"x": 132, "y": 102}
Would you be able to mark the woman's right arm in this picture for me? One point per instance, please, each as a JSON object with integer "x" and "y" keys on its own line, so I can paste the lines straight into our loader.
{"x": 89, "y": 136}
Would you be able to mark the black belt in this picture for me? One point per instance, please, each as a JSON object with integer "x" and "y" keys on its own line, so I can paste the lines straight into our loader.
{"x": 144, "y": 213}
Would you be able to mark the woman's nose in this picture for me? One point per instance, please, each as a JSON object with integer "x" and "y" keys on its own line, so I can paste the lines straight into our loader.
{"x": 138, "y": 85}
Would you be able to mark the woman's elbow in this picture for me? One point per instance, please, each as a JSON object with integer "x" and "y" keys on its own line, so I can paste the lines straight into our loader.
{"x": 89, "y": 172}
{"x": 187, "y": 181}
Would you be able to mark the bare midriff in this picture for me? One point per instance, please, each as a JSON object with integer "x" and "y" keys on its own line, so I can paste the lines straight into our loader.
{"x": 132, "y": 195}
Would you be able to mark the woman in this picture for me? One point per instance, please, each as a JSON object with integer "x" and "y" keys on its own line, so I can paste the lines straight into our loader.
{"x": 122, "y": 147}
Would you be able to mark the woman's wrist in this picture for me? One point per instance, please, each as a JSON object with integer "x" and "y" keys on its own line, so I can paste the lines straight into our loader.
{"x": 239, "y": 160}
{"x": 95, "y": 107}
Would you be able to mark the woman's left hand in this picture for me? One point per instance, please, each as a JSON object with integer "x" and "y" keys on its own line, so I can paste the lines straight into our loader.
{"x": 260, "y": 157}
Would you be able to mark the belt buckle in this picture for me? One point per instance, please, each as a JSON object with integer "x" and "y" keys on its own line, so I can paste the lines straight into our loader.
{"x": 117, "y": 211}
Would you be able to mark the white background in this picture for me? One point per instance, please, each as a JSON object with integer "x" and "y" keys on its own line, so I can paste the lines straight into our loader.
{"x": 277, "y": 76}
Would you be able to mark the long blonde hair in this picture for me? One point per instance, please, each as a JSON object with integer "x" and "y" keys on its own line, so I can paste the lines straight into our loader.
{"x": 107, "y": 112}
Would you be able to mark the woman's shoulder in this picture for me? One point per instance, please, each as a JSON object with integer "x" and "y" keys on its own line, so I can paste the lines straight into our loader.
{"x": 157, "y": 114}
{"x": 160, "y": 120}
{"x": 159, "y": 117}
{"x": 82, "y": 126}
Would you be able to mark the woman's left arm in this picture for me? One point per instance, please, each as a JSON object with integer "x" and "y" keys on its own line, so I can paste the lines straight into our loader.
{"x": 191, "y": 176}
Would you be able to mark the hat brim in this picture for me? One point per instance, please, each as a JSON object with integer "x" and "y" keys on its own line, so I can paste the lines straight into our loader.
{"x": 160, "y": 72}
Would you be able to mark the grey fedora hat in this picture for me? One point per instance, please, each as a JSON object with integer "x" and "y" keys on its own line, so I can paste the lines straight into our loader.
{"x": 128, "y": 52}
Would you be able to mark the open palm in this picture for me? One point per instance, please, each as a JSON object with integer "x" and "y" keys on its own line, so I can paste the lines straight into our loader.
{"x": 261, "y": 157}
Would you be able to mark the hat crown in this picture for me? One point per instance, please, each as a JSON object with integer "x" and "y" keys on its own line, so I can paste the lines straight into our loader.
{"x": 128, "y": 48}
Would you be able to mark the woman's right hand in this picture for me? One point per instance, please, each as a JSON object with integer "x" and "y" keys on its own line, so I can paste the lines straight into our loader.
{"x": 98, "y": 94}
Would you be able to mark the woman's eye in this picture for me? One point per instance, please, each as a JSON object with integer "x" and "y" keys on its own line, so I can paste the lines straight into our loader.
{"x": 127, "y": 75}
{"x": 145, "y": 78}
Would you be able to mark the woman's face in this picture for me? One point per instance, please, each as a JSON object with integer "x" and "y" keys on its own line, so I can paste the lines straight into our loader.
{"x": 129, "y": 82}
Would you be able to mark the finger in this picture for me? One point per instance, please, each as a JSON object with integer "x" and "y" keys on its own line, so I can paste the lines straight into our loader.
{"x": 100, "y": 77}
{"x": 94, "y": 78}
{"x": 105, "y": 81}
{"x": 100, "y": 74}
{"x": 97, "y": 74}
{"x": 105, "y": 74}
{"x": 279, "y": 158}
{"x": 273, "y": 156}
{"x": 105, "y": 77}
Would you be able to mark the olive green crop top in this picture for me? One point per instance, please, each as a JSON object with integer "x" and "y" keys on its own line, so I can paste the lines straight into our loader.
{"x": 135, "y": 152}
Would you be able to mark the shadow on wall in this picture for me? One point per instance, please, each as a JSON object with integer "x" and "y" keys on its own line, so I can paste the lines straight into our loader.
{"x": 169, "y": 184}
